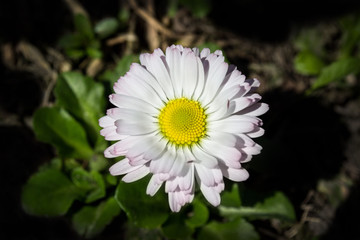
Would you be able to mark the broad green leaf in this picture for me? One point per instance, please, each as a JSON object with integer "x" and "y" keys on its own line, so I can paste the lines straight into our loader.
{"x": 276, "y": 206}
{"x": 121, "y": 68}
{"x": 82, "y": 97}
{"x": 231, "y": 199}
{"x": 142, "y": 209}
{"x": 56, "y": 126}
{"x": 337, "y": 71}
{"x": 83, "y": 26}
{"x": 106, "y": 27}
{"x": 90, "y": 221}
{"x": 236, "y": 229}
{"x": 92, "y": 182}
{"x": 49, "y": 193}
{"x": 199, "y": 214}
{"x": 308, "y": 63}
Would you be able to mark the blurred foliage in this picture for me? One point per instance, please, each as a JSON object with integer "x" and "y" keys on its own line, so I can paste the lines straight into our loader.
{"x": 327, "y": 67}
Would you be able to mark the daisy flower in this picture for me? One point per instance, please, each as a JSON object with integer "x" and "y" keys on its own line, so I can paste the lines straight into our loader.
{"x": 186, "y": 117}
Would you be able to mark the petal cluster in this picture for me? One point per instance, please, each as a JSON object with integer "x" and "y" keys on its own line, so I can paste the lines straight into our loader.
{"x": 231, "y": 107}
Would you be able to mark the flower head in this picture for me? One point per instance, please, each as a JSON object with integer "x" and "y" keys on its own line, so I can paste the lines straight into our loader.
{"x": 185, "y": 117}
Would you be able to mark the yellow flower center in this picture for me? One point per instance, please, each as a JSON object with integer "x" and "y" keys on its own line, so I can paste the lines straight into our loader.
{"x": 183, "y": 121}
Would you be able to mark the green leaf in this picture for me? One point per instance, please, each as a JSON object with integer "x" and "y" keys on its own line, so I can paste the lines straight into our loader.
{"x": 337, "y": 71}
{"x": 106, "y": 27}
{"x": 182, "y": 225}
{"x": 276, "y": 206}
{"x": 311, "y": 39}
{"x": 83, "y": 26}
{"x": 350, "y": 38}
{"x": 98, "y": 162}
{"x": 123, "y": 16}
{"x": 231, "y": 199}
{"x": 94, "y": 52}
{"x": 75, "y": 53}
{"x": 199, "y": 214}
{"x": 121, "y": 68}
{"x": 308, "y": 63}
{"x": 57, "y": 127}
{"x": 110, "y": 179}
{"x": 175, "y": 227}
{"x": 90, "y": 221}
{"x": 71, "y": 41}
{"x": 49, "y": 193}
{"x": 236, "y": 229}
{"x": 92, "y": 182}
{"x": 142, "y": 209}
{"x": 82, "y": 97}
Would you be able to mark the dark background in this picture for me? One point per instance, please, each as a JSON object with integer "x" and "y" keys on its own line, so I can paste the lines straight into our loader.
{"x": 305, "y": 140}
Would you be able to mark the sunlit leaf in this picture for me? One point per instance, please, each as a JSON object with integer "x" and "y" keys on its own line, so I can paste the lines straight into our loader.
{"x": 91, "y": 220}
{"x": 49, "y": 193}
{"x": 106, "y": 27}
{"x": 82, "y": 97}
{"x": 337, "y": 71}
{"x": 142, "y": 209}
{"x": 236, "y": 229}
{"x": 308, "y": 63}
{"x": 57, "y": 127}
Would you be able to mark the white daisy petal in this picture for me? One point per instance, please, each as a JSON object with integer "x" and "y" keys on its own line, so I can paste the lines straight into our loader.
{"x": 205, "y": 175}
{"x": 230, "y": 155}
{"x": 236, "y": 175}
{"x": 129, "y": 102}
{"x": 173, "y": 57}
{"x": 153, "y": 185}
{"x": 122, "y": 167}
{"x": 106, "y": 121}
{"x": 190, "y": 74}
{"x": 204, "y": 158}
{"x": 186, "y": 117}
{"x": 136, "y": 174}
{"x": 211, "y": 194}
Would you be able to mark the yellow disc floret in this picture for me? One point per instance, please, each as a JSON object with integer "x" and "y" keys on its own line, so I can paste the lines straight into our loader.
{"x": 183, "y": 121}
